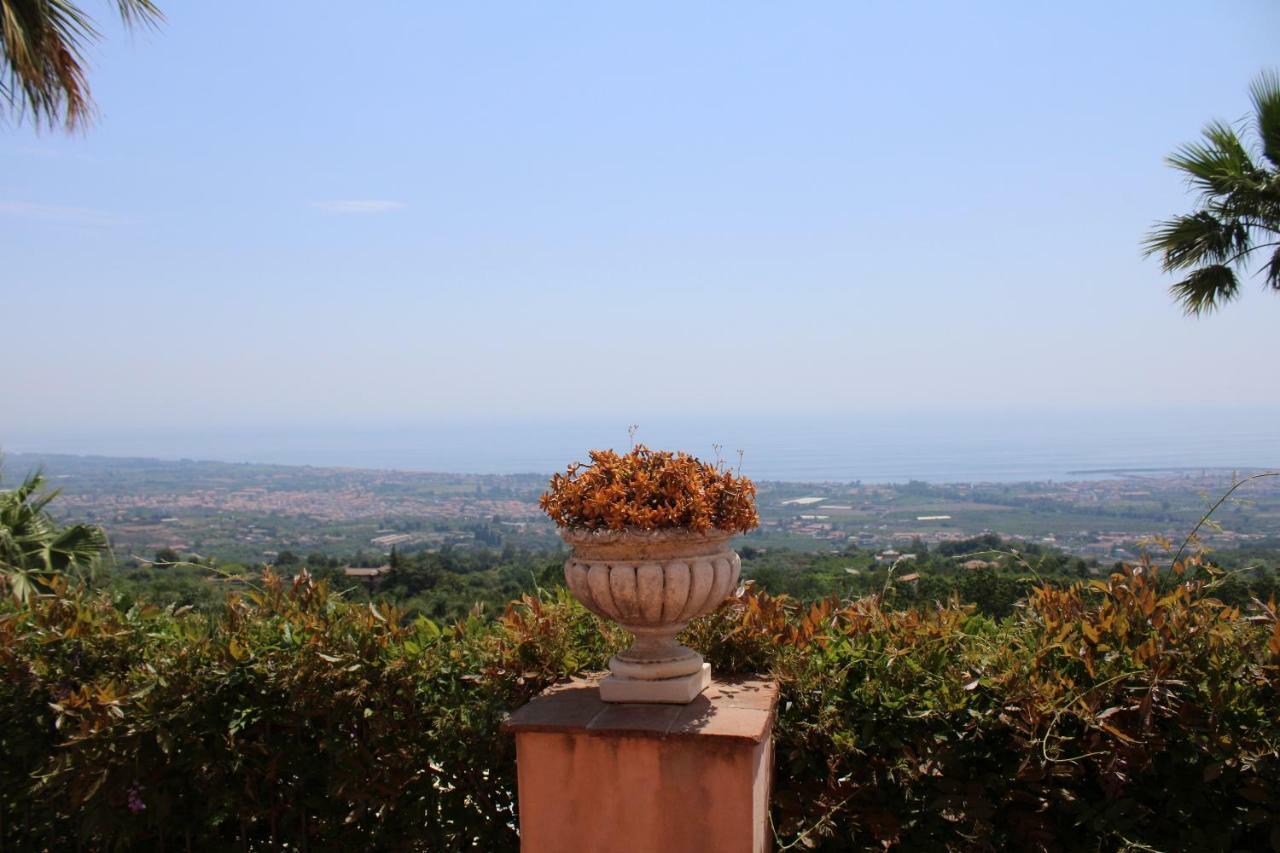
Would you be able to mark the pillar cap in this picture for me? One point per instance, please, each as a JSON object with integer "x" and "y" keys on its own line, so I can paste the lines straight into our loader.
{"x": 740, "y": 709}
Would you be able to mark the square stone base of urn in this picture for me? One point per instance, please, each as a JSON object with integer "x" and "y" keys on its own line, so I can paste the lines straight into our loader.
{"x": 665, "y": 691}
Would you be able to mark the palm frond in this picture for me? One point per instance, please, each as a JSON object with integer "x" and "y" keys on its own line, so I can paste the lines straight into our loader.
{"x": 1264, "y": 92}
{"x": 139, "y": 12}
{"x": 1237, "y": 214}
{"x": 34, "y": 548}
{"x": 43, "y": 43}
{"x": 20, "y": 585}
{"x": 42, "y": 46}
{"x": 1185, "y": 241}
{"x": 36, "y": 505}
{"x": 1206, "y": 289}
{"x": 1219, "y": 165}
{"x": 76, "y": 545}
{"x": 1272, "y": 271}
{"x": 30, "y": 485}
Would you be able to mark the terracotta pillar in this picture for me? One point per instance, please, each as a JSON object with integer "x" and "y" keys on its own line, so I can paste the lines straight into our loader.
{"x": 601, "y": 777}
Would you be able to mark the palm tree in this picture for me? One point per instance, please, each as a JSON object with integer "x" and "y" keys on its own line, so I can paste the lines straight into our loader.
{"x": 42, "y": 56}
{"x": 1237, "y": 217}
{"x": 33, "y": 547}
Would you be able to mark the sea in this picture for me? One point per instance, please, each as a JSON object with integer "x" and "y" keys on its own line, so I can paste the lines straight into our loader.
{"x": 871, "y": 447}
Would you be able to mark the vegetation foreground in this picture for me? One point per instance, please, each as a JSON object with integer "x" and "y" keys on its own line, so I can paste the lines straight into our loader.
{"x": 1135, "y": 712}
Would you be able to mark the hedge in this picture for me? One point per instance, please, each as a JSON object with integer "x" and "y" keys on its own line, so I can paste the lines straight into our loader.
{"x": 1137, "y": 712}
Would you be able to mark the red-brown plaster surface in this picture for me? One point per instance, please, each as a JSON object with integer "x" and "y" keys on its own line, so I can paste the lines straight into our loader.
{"x": 636, "y": 778}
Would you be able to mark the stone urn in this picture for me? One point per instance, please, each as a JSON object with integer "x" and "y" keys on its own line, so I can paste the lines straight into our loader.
{"x": 652, "y": 583}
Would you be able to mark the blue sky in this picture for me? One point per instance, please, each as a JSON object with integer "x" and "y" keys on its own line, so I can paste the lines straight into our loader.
{"x": 412, "y": 212}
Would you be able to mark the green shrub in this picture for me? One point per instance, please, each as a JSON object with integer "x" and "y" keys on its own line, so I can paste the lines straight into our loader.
{"x": 1136, "y": 711}
{"x": 292, "y": 716}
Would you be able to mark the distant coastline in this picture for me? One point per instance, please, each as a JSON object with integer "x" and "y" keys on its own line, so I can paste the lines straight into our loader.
{"x": 1165, "y": 469}
{"x": 940, "y": 447}
{"x": 19, "y": 462}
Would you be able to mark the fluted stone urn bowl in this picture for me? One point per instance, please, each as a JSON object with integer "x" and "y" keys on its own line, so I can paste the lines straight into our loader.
{"x": 652, "y": 583}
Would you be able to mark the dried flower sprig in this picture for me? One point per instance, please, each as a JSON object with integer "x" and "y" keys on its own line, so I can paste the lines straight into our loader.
{"x": 650, "y": 490}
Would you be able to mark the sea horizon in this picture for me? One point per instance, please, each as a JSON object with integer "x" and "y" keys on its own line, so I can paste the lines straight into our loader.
{"x": 936, "y": 447}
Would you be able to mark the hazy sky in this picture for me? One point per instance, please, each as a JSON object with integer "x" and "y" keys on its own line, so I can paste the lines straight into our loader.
{"x": 472, "y": 210}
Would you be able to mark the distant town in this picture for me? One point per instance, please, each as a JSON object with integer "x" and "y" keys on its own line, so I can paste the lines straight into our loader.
{"x": 1111, "y": 517}
{"x": 249, "y": 512}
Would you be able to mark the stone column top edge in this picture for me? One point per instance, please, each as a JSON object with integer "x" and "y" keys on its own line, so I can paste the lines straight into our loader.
{"x": 733, "y": 708}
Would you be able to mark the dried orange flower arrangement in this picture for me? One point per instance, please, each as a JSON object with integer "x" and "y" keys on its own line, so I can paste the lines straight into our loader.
{"x": 650, "y": 490}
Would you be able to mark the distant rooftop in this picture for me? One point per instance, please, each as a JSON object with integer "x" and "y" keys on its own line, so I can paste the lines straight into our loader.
{"x": 363, "y": 572}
